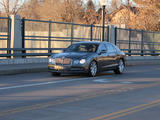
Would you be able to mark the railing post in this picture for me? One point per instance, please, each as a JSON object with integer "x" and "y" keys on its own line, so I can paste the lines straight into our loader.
{"x": 91, "y": 35}
{"x": 129, "y": 42}
{"x": 49, "y": 36}
{"x": 153, "y": 47}
{"x": 16, "y": 34}
{"x": 23, "y": 35}
{"x": 142, "y": 43}
{"x": 115, "y": 37}
{"x": 107, "y": 33}
{"x": 72, "y": 32}
{"x": 111, "y": 34}
{"x": 103, "y": 22}
{"x": 9, "y": 36}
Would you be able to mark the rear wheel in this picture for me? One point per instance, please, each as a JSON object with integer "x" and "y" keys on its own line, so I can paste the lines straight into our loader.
{"x": 93, "y": 69}
{"x": 55, "y": 74}
{"x": 120, "y": 68}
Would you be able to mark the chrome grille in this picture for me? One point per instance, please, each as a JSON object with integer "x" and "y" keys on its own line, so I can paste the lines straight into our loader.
{"x": 63, "y": 61}
{"x": 67, "y": 61}
{"x": 59, "y": 61}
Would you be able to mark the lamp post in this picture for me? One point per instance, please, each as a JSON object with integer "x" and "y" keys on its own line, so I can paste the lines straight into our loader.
{"x": 103, "y": 4}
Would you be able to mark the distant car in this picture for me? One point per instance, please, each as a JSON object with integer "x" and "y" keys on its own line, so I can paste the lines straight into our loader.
{"x": 88, "y": 57}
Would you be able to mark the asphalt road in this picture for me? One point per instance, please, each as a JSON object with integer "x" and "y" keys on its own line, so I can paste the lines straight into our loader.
{"x": 133, "y": 95}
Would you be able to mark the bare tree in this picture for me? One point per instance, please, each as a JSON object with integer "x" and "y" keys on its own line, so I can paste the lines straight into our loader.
{"x": 115, "y": 4}
{"x": 71, "y": 10}
{"x": 91, "y": 16}
{"x": 148, "y": 16}
{"x": 11, "y": 6}
{"x": 30, "y": 9}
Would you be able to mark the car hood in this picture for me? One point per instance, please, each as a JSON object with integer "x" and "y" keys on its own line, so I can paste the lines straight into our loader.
{"x": 73, "y": 55}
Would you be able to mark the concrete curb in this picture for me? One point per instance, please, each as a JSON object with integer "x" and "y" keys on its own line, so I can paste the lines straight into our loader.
{"x": 22, "y": 71}
{"x": 142, "y": 62}
{"x": 23, "y": 61}
{"x": 22, "y": 68}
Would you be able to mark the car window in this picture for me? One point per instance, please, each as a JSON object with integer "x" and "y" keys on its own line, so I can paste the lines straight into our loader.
{"x": 82, "y": 48}
{"x": 102, "y": 47}
{"x": 111, "y": 48}
{"x": 118, "y": 50}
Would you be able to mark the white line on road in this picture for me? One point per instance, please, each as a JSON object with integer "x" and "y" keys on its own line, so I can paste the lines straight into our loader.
{"x": 53, "y": 82}
{"x": 101, "y": 80}
{"x": 39, "y": 84}
{"x": 126, "y": 82}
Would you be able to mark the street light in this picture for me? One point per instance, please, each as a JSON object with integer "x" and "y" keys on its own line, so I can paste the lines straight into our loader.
{"x": 103, "y": 3}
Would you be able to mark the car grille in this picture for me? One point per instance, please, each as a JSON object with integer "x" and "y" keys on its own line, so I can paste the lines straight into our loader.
{"x": 63, "y": 61}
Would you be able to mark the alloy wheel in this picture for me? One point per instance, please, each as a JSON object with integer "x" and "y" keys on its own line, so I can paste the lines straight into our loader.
{"x": 121, "y": 66}
{"x": 93, "y": 68}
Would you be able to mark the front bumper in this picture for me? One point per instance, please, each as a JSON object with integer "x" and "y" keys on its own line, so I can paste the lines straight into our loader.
{"x": 67, "y": 69}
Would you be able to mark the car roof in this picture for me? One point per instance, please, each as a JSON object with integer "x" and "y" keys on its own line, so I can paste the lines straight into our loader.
{"x": 90, "y": 42}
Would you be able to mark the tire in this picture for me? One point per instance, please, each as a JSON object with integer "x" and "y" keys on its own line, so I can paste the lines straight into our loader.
{"x": 120, "y": 68}
{"x": 55, "y": 74}
{"x": 93, "y": 69}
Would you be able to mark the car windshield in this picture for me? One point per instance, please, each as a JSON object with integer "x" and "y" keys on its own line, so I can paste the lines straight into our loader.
{"x": 84, "y": 47}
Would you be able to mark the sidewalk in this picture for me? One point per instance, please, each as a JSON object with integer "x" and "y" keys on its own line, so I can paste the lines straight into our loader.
{"x": 23, "y": 68}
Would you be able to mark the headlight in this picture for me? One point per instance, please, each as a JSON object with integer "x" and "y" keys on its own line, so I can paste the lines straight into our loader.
{"x": 82, "y": 61}
{"x": 52, "y": 60}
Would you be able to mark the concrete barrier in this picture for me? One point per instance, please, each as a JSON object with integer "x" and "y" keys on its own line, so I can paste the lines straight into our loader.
{"x": 28, "y": 65}
{"x": 142, "y": 60}
{"x": 23, "y": 61}
{"x": 130, "y": 60}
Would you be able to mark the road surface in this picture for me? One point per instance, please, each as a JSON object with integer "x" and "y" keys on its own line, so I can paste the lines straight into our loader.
{"x": 133, "y": 95}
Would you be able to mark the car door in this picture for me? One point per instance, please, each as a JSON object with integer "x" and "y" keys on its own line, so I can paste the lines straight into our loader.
{"x": 102, "y": 53}
{"x": 111, "y": 55}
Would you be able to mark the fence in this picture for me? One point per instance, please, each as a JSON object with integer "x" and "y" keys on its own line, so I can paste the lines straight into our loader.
{"x": 49, "y": 34}
{"x": 42, "y": 38}
{"x": 5, "y": 27}
{"x": 136, "y": 42}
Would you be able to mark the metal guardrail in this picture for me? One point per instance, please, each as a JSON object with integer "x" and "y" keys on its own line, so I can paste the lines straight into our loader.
{"x": 47, "y": 32}
{"x": 41, "y": 38}
{"x": 25, "y": 52}
{"x": 19, "y": 52}
{"x": 5, "y": 29}
{"x": 138, "y": 42}
{"x": 140, "y": 52}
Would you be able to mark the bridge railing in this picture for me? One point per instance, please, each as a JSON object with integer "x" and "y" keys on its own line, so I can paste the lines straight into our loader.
{"x": 30, "y": 52}
{"x": 51, "y": 34}
{"x": 42, "y": 38}
{"x": 19, "y": 52}
{"x": 138, "y": 42}
{"x": 5, "y": 33}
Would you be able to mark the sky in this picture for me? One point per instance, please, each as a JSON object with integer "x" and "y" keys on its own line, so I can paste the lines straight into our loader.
{"x": 20, "y": 2}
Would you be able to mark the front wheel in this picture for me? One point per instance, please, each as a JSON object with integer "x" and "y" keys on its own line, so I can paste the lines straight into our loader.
{"x": 120, "y": 68}
{"x": 93, "y": 69}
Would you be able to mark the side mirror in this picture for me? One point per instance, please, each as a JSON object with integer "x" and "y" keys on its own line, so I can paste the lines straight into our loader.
{"x": 63, "y": 50}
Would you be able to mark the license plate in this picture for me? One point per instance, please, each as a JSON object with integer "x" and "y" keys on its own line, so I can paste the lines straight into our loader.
{"x": 58, "y": 67}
